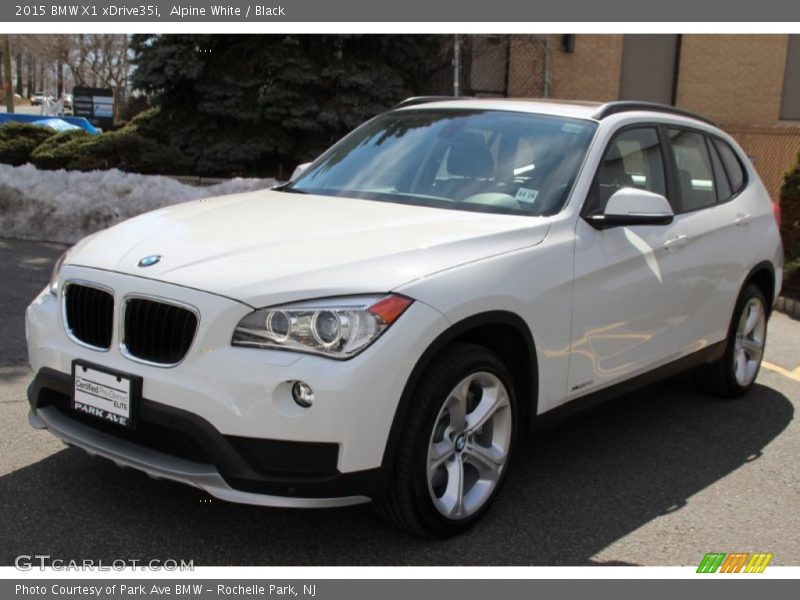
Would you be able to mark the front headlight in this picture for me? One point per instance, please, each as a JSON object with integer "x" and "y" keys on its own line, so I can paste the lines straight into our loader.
{"x": 334, "y": 327}
{"x": 54, "y": 275}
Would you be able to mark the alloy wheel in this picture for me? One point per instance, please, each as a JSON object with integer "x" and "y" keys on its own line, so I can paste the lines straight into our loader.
{"x": 469, "y": 445}
{"x": 749, "y": 343}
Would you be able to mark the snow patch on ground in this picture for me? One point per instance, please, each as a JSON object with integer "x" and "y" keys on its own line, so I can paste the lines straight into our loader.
{"x": 65, "y": 206}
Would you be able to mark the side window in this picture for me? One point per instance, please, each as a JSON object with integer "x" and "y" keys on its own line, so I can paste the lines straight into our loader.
{"x": 732, "y": 165}
{"x": 724, "y": 191}
{"x": 632, "y": 159}
{"x": 695, "y": 176}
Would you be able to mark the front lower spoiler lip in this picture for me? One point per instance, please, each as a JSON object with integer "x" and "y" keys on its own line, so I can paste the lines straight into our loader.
{"x": 162, "y": 466}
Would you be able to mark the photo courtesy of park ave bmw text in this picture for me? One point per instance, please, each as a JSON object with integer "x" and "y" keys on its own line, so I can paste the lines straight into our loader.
{"x": 332, "y": 284}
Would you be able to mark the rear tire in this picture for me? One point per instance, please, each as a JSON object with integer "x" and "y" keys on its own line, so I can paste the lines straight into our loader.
{"x": 456, "y": 445}
{"x": 735, "y": 373}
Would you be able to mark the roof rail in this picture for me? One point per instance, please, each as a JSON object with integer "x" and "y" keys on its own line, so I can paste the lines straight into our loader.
{"x": 612, "y": 108}
{"x": 426, "y": 99}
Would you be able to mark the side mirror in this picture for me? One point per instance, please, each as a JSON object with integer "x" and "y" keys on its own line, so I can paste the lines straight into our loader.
{"x": 299, "y": 170}
{"x": 632, "y": 206}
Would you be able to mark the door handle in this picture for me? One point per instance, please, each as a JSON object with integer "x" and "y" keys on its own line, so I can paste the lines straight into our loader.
{"x": 742, "y": 220}
{"x": 677, "y": 242}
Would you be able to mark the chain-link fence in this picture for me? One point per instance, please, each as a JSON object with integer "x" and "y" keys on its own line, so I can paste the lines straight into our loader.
{"x": 491, "y": 65}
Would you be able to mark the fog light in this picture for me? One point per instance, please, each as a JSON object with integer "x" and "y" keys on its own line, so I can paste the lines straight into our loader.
{"x": 303, "y": 394}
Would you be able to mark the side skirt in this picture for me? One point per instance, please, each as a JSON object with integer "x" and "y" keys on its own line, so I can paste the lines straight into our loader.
{"x": 705, "y": 356}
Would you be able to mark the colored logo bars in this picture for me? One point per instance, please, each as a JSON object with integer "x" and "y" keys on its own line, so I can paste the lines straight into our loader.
{"x": 735, "y": 562}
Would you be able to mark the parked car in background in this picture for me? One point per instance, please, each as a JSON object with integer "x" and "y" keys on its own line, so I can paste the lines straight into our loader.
{"x": 38, "y": 98}
{"x": 388, "y": 325}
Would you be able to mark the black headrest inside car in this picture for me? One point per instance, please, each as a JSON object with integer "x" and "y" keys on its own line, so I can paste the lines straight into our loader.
{"x": 469, "y": 156}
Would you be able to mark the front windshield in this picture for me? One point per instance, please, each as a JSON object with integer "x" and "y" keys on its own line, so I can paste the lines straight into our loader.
{"x": 487, "y": 161}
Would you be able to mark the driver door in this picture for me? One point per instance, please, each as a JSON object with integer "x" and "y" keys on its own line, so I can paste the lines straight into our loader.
{"x": 627, "y": 294}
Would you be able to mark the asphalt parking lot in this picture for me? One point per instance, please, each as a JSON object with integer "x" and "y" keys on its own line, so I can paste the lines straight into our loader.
{"x": 659, "y": 477}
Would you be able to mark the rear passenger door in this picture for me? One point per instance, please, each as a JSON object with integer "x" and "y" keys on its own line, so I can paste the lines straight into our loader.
{"x": 714, "y": 231}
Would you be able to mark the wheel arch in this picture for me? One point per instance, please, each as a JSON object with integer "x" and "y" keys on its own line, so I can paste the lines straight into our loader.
{"x": 502, "y": 332}
{"x": 763, "y": 276}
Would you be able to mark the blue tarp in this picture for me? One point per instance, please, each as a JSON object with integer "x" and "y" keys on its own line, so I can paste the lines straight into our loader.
{"x": 56, "y": 123}
{"x": 77, "y": 121}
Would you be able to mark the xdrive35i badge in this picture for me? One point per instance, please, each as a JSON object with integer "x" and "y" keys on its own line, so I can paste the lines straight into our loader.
{"x": 149, "y": 261}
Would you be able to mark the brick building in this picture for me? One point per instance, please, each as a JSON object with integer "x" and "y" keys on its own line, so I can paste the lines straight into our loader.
{"x": 749, "y": 84}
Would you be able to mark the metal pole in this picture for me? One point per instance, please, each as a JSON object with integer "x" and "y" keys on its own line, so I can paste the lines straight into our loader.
{"x": 7, "y": 73}
{"x": 456, "y": 66}
{"x": 546, "y": 75}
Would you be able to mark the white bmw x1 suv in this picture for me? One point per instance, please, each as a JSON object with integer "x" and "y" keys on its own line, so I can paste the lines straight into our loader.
{"x": 388, "y": 325}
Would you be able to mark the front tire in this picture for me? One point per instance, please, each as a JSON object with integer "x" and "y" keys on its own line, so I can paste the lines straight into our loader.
{"x": 735, "y": 373}
{"x": 457, "y": 442}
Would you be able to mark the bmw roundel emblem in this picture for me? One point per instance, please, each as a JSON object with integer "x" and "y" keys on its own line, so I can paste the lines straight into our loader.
{"x": 149, "y": 261}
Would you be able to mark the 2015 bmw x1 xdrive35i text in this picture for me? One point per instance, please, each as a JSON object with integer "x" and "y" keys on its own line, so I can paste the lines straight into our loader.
{"x": 388, "y": 324}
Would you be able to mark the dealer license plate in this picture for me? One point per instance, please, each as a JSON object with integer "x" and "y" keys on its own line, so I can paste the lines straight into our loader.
{"x": 106, "y": 395}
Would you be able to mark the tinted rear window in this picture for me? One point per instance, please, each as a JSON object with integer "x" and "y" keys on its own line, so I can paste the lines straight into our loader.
{"x": 732, "y": 165}
{"x": 724, "y": 191}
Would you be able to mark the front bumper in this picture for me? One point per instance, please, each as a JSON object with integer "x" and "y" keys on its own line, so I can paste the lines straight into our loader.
{"x": 172, "y": 444}
{"x": 160, "y": 466}
{"x": 223, "y": 419}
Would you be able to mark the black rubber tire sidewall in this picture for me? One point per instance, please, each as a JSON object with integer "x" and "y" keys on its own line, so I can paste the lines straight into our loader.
{"x": 442, "y": 377}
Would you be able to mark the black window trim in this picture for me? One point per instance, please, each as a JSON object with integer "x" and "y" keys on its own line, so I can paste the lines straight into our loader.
{"x": 717, "y": 140}
{"x": 712, "y": 152}
{"x": 669, "y": 182}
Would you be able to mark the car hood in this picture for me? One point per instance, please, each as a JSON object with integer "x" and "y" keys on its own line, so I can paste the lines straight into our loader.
{"x": 268, "y": 247}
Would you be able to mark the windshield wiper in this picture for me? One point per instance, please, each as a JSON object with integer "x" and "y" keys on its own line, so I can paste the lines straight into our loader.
{"x": 290, "y": 190}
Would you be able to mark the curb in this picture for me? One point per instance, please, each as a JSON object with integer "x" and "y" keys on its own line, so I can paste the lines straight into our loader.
{"x": 788, "y": 306}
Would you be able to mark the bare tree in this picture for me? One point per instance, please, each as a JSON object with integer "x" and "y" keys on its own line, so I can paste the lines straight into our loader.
{"x": 7, "y": 73}
{"x": 55, "y": 63}
{"x": 99, "y": 60}
{"x": 31, "y": 54}
{"x": 19, "y": 65}
{"x": 96, "y": 60}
